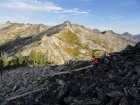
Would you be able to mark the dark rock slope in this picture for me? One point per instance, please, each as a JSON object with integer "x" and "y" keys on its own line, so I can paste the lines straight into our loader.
{"x": 116, "y": 82}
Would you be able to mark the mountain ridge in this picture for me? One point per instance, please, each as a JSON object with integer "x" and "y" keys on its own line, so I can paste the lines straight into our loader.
{"x": 61, "y": 42}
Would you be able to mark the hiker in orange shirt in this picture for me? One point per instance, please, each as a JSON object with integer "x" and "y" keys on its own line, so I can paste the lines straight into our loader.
{"x": 95, "y": 63}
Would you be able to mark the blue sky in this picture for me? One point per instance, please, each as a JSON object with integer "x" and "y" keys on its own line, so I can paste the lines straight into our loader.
{"x": 117, "y": 15}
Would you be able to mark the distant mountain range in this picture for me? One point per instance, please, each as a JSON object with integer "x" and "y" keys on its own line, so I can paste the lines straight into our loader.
{"x": 61, "y": 42}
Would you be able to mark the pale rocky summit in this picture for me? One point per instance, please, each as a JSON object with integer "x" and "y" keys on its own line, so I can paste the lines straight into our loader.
{"x": 61, "y": 43}
{"x": 96, "y": 31}
{"x": 8, "y": 22}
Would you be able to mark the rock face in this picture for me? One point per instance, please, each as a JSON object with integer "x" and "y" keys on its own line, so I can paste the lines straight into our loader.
{"x": 116, "y": 82}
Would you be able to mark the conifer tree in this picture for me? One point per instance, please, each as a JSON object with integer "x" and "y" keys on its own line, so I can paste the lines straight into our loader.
{"x": 4, "y": 59}
{"x": 13, "y": 62}
{"x": 45, "y": 57}
{"x": 32, "y": 57}
{"x": 40, "y": 58}
{"x": 26, "y": 61}
{"x": 20, "y": 57}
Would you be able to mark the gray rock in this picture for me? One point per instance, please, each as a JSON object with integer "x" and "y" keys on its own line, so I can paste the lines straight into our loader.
{"x": 62, "y": 83}
{"x": 115, "y": 94}
{"x": 135, "y": 92}
{"x": 124, "y": 101}
{"x": 39, "y": 78}
{"x": 69, "y": 100}
{"x": 14, "y": 88}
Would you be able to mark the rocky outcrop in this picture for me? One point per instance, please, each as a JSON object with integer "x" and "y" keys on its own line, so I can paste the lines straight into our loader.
{"x": 26, "y": 80}
{"x": 116, "y": 82}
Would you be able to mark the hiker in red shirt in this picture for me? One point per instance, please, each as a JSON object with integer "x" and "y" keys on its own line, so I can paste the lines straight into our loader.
{"x": 95, "y": 63}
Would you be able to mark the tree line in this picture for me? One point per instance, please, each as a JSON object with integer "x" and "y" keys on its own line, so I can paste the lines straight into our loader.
{"x": 34, "y": 58}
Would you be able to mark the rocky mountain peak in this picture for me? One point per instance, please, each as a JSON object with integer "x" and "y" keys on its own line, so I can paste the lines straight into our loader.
{"x": 127, "y": 34}
{"x": 110, "y": 31}
{"x": 96, "y": 30}
{"x": 67, "y": 23}
{"x": 130, "y": 36}
{"x": 8, "y": 22}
